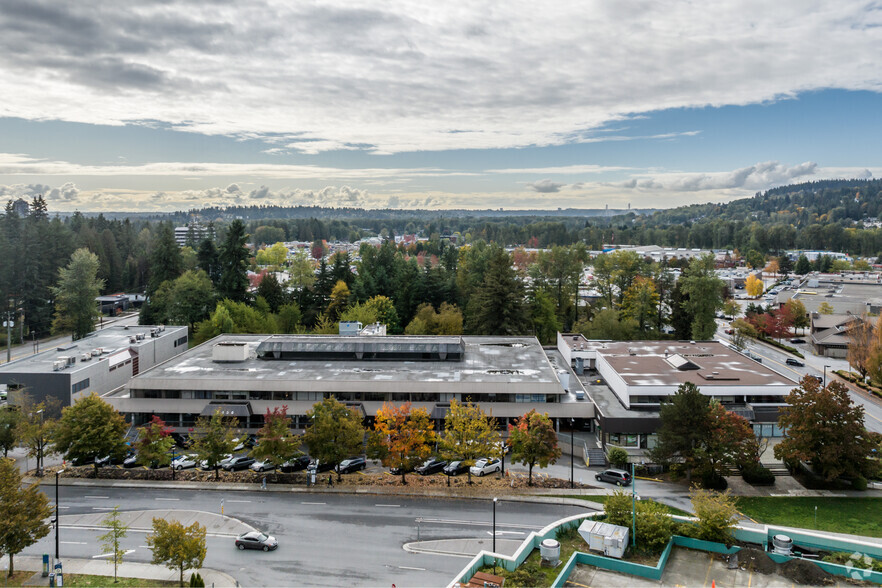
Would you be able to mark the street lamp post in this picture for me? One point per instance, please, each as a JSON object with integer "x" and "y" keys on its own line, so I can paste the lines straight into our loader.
{"x": 40, "y": 447}
{"x": 56, "y": 512}
{"x": 572, "y": 450}
{"x": 494, "y": 535}
{"x": 825, "y": 376}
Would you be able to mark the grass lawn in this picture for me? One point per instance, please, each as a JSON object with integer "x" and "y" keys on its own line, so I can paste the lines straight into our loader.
{"x": 86, "y": 580}
{"x": 857, "y": 516}
{"x": 602, "y": 500}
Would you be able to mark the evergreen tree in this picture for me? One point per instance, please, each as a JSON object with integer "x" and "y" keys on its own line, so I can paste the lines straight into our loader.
{"x": 78, "y": 286}
{"x": 705, "y": 290}
{"x": 207, "y": 257}
{"x": 233, "y": 258}
{"x": 165, "y": 257}
{"x": 803, "y": 265}
{"x": 271, "y": 291}
{"x": 498, "y": 306}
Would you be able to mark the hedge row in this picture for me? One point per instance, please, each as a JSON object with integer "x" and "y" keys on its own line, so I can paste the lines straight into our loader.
{"x": 787, "y": 348}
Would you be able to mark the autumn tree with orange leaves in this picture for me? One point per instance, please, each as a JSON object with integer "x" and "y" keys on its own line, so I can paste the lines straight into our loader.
{"x": 402, "y": 438}
{"x": 533, "y": 441}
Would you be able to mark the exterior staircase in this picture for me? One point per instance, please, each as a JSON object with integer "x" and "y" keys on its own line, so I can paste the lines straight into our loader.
{"x": 596, "y": 457}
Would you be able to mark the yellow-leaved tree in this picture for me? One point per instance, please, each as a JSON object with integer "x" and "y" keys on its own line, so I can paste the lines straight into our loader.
{"x": 754, "y": 286}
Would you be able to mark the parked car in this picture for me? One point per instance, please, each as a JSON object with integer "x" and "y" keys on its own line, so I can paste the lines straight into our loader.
{"x": 242, "y": 462}
{"x": 818, "y": 378}
{"x": 109, "y": 460}
{"x": 797, "y": 341}
{"x": 729, "y": 331}
{"x": 398, "y": 471}
{"x": 796, "y": 362}
{"x": 256, "y": 540}
{"x": 617, "y": 477}
{"x": 353, "y": 464}
{"x": 455, "y": 468}
{"x": 295, "y": 465}
{"x": 183, "y": 462}
{"x": 433, "y": 465}
{"x": 131, "y": 461}
{"x": 221, "y": 463}
{"x": 320, "y": 466}
{"x": 485, "y": 466}
{"x": 182, "y": 440}
{"x": 263, "y": 466}
{"x": 245, "y": 442}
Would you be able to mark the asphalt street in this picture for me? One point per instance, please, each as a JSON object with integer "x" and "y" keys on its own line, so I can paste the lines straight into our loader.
{"x": 814, "y": 365}
{"x": 324, "y": 539}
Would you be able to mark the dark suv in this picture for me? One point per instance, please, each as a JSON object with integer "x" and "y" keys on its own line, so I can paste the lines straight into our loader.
{"x": 353, "y": 464}
{"x": 433, "y": 465}
{"x": 617, "y": 477}
{"x": 239, "y": 463}
{"x": 296, "y": 464}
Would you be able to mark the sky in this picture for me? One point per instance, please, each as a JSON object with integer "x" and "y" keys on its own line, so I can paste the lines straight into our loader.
{"x": 161, "y": 106}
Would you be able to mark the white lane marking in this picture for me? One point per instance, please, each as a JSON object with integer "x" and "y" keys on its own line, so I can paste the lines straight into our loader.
{"x": 409, "y": 568}
{"x": 313, "y": 503}
{"x": 238, "y": 501}
{"x": 506, "y": 533}
{"x": 74, "y": 542}
{"x": 168, "y": 499}
{"x": 144, "y": 546}
{"x": 91, "y": 496}
{"x": 103, "y": 507}
{"x": 389, "y": 505}
{"x": 137, "y": 530}
{"x": 128, "y": 551}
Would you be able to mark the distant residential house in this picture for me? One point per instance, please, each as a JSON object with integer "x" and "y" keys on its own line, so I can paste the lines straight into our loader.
{"x": 830, "y": 333}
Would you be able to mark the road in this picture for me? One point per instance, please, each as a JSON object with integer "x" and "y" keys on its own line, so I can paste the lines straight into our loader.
{"x": 324, "y": 539}
{"x": 29, "y": 348}
{"x": 814, "y": 365}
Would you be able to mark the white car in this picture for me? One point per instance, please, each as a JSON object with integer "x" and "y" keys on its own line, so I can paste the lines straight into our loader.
{"x": 204, "y": 463}
{"x": 183, "y": 462}
{"x": 262, "y": 466}
{"x": 485, "y": 466}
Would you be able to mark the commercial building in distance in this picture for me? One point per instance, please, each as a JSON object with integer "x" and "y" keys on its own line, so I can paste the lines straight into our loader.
{"x": 100, "y": 362}
{"x": 628, "y": 380}
{"x": 246, "y": 375}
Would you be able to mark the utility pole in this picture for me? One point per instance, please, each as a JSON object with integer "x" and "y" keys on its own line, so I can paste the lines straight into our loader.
{"x": 8, "y": 323}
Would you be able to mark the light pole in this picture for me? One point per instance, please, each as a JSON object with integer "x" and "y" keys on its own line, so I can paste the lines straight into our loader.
{"x": 825, "y": 376}
{"x": 56, "y": 512}
{"x": 572, "y": 450}
{"x": 633, "y": 508}
{"x": 40, "y": 447}
{"x": 494, "y": 525}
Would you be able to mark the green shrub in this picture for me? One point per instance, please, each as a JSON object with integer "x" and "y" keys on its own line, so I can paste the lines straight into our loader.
{"x": 618, "y": 508}
{"x": 567, "y": 534}
{"x": 859, "y": 483}
{"x": 711, "y": 480}
{"x": 654, "y": 526}
{"x": 618, "y": 457}
{"x": 754, "y": 473}
{"x": 678, "y": 470}
{"x": 717, "y": 515}
{"x": 196, "y": 580}
{"x": 525, "y": 576}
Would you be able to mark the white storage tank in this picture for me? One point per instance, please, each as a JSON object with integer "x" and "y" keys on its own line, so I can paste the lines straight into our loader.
{"x": 782, "y": 544}
{"x": 611, "y": 540}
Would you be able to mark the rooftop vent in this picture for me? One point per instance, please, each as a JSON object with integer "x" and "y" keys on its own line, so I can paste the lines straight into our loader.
{"x": 229, "y": 351}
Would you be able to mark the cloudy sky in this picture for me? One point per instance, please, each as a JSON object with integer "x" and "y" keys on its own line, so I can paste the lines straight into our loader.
{"x": 167, "y": 105}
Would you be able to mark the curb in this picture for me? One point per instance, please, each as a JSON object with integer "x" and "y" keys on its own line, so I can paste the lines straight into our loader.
{"x": 280, "y": 488}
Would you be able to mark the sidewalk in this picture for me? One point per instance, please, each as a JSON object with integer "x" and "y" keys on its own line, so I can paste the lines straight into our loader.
{"x": 102, "y": 567}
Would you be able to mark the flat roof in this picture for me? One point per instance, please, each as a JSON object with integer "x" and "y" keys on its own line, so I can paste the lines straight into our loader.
{"x": 111, "y": 339}
{"x": 671, "y": 363}
{"x": 489, "y": 364}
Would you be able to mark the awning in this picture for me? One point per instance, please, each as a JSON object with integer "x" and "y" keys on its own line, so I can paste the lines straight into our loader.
{"x": 239, "y": 410}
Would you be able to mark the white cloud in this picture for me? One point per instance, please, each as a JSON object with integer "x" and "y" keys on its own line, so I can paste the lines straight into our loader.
{"x": 421, "y": 76}
{"x": 67, "y": 192}
{"x": 760, "y": 176}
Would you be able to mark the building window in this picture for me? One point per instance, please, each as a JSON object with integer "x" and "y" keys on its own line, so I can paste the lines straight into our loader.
{"x": 180, "y": 341}
{"x": 82, "y": 385}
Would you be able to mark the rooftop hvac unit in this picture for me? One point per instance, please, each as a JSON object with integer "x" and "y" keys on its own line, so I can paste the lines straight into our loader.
{"x": 611, "y": 540}
{"x": 71, "y": 359}
{"x": 132, "y": 339}
{"x": 96, "y": 352}
{"x": 782, "y": 544}
{"x": 58, "y": 365}
{"x": 549, "y": 550}
{"x": 85, "y": 357}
